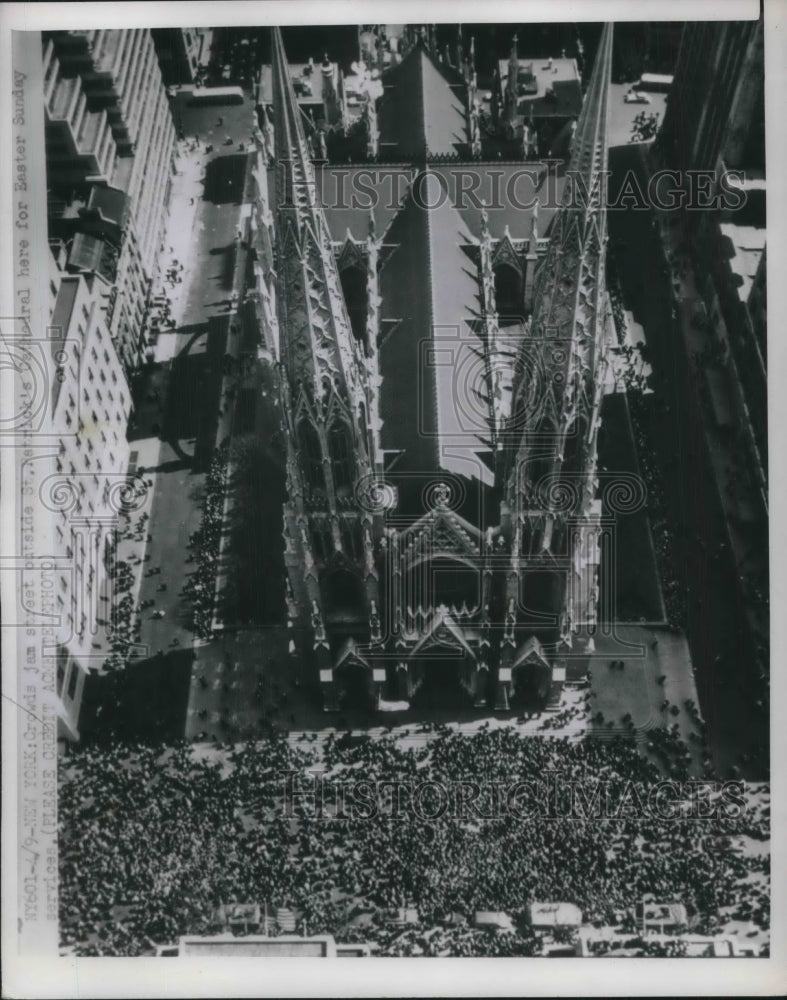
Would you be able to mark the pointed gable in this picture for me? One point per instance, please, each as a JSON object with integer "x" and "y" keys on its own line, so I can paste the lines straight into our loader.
{"x": 443, "y": 632}
{"x": 531, "y": 651}
{"x": 350, "y": 656}
{"x": 447, "y": 533}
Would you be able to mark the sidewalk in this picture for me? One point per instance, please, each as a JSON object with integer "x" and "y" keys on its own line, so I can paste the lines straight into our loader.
{"x": 181, "y": 218}
{"x": 203, "y": 344}
{"x": 178, "y": 241}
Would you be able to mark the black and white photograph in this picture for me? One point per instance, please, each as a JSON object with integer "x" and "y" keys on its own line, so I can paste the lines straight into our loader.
{"x": 386, "y": 553}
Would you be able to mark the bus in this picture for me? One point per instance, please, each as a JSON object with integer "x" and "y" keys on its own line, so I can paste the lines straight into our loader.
{"x": 216, "y": 95}
{"x": 656, "y": 83}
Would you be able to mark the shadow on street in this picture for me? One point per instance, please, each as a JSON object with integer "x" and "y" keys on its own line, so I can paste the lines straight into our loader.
{"x": 225, "y": 177}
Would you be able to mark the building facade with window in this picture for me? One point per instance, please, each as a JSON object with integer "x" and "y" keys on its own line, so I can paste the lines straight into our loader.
{"x": 110, "y": 142}
{"x": 90, "y": 408}
{"x": 181, "y": 52}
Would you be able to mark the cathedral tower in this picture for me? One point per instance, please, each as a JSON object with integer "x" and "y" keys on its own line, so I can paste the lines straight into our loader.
{"x": 550, "y": 511}
{"x": 330, "y": 518}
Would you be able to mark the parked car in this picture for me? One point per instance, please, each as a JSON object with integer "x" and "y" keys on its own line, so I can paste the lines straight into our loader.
{"x": 636, "y": 97}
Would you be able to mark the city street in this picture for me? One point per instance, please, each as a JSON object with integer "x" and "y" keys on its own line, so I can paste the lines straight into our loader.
{"x": 184, "y": 387}
{"x": 656, "y": 676}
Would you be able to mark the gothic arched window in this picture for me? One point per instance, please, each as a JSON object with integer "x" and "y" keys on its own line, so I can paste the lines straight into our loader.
{"x": 362, "y": 422}
{"x": 322, "y": 539}
{"x": 343, "y": 595}
{"x": 340, "y": 446}
{"x": 508, "y": 292}
{"x": 352, "y": 537}
{"x": 311, "y": 455}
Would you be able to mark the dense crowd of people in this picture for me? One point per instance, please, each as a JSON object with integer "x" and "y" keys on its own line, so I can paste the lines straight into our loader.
{"x": 673, "y": 591}
{"x": 123, "y": 622}
{"x": 644, "y": 127}
{"x": 205, "y": 544}
{"x": 153, "y": 839}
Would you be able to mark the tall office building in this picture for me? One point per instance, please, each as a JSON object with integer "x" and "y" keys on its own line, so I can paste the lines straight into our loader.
{"x": 181, "y": 52}
{"x": 715, "y": 122}
{"x": 715, "y": 112}
{"x": 90, "y": 407}
{"x": 110, "y": 145}
{"x": 712, "y": 137}
{"x": 110, "y": 141}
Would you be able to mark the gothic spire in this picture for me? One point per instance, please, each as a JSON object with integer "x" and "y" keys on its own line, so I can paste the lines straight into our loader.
{"x": 569, "y": 314}
{"x": 513, "y": 74}
{"x": 589, "y": 145}
{"x": 318, "y": 348}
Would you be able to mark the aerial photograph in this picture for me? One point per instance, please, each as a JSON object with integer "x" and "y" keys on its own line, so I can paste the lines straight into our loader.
{"x": 410, "y": 452}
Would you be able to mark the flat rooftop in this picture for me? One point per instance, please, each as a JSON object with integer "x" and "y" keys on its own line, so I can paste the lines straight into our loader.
{"x": 748, "y": 243}
{"x": 306, "y": 80}
{"x": 538, "y": 75}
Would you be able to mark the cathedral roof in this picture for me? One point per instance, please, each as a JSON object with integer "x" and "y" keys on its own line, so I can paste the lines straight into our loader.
{"x": 422, "y": 113}
{"x": 408, "y": 424}
{"x": 464, "y": 425}
{"x": 350, "y": 194}
{"x": 432, "y": 397}
{"x": 509, "y": 191}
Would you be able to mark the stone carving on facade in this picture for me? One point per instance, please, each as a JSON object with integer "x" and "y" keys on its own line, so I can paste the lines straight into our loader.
{"x": 340, "y": 374}
{"x": 320, "y": 635}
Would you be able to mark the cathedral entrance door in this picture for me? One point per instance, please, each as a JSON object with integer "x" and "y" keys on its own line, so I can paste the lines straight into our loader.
{"x": 355, "y": 686}
{"x": 440, "y": 683}
{"x": 531, "y": 686}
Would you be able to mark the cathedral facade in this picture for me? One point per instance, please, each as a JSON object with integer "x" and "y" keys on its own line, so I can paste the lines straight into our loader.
{"x": 440, "y": 325}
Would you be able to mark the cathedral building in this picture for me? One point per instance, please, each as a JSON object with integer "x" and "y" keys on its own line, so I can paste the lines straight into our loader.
{"x": 441, "y": 325}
